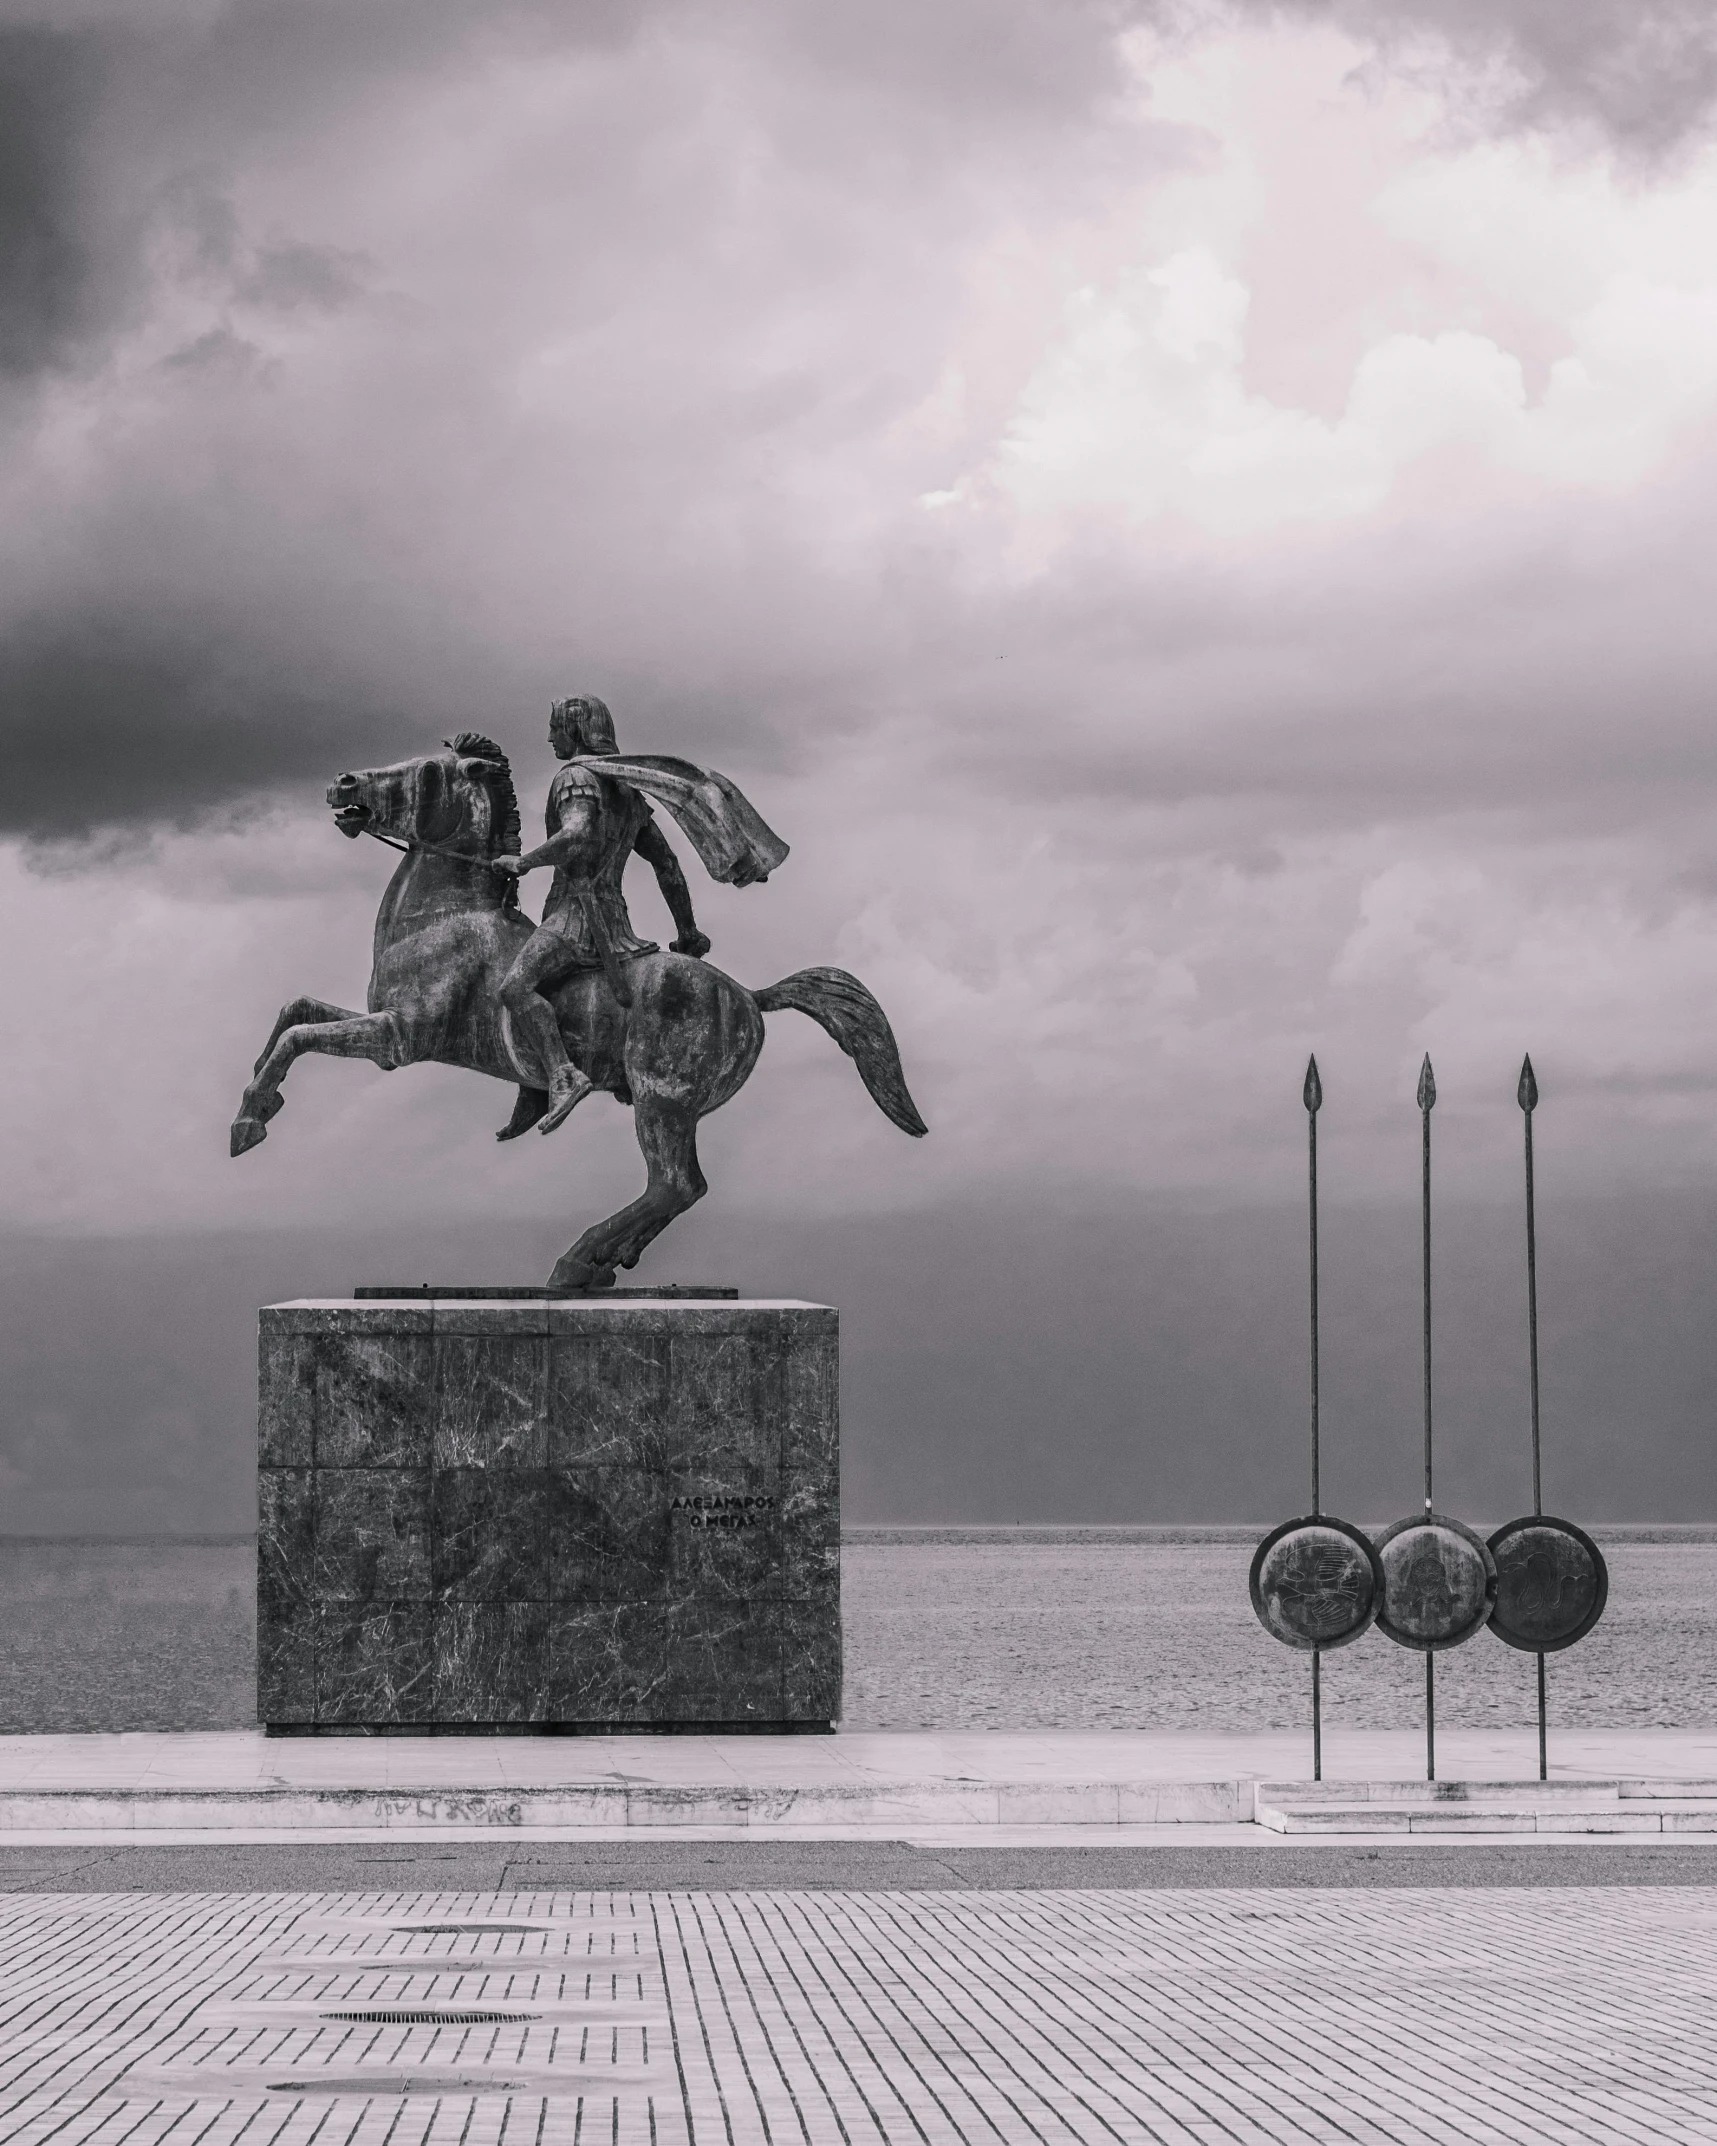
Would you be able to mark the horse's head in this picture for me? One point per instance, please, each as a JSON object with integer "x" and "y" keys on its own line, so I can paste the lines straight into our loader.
{"x": 458, "y": 802}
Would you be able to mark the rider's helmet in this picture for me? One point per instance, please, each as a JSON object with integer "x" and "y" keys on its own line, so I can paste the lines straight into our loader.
{"x": 592, "y": 725}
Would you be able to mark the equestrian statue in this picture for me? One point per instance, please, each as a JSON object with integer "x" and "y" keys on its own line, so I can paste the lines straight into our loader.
{"x": 580, "y": 1002}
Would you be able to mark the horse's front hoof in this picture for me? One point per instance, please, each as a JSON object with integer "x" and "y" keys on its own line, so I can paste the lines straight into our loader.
{"x": 248, "y": 1133}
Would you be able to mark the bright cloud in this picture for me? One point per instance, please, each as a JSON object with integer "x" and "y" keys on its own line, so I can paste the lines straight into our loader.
{"x": 1468, "y": 265}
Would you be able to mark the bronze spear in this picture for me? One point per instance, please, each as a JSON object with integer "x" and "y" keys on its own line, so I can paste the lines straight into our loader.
{"x": 1312, "y": 1096}
{"x": 1427, "y": 1102}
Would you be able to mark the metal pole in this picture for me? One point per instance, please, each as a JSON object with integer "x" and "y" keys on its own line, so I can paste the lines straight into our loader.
{"x": 1427, "y": 1101}
{"x": 1318, "y": 1715}
{"x": 1312, "y": 1096}
{"x": 1527, "y": 1097}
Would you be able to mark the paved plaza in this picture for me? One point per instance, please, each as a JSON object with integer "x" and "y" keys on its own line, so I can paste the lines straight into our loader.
{"x": 702, "y": 2018}
{"x": 708, "y": 1941}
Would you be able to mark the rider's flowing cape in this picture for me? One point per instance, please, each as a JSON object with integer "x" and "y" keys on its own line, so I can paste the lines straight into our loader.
{"x": 735, "y": 842}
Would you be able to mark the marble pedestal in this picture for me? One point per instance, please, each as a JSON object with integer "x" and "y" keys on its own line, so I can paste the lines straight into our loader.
{"x": 577, "y": 1514}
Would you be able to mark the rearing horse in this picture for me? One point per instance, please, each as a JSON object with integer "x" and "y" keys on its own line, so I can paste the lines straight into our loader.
{"x": 446, "y": 934}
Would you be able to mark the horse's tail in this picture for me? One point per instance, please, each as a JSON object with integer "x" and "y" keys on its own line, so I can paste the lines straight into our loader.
{"x": 842, "y": 1005}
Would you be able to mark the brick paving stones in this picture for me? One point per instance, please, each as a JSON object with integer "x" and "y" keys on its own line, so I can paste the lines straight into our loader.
{"x": 722, "y": 2018}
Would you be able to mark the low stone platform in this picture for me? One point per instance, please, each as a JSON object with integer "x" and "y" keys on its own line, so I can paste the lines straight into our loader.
{"x": 1350, "y": 1810}
{"x": 238, "y": 1784}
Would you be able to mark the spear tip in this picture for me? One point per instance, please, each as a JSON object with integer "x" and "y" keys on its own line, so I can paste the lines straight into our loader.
{"x": 1427, "y": 1084}
{"x": 1313, "y": 1095}
{"x": 1527, "y": 1093}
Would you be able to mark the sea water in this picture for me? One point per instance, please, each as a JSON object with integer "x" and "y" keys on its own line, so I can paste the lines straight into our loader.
{"x": 944, "y": 1629}
{"x": 1106, "y": 1630}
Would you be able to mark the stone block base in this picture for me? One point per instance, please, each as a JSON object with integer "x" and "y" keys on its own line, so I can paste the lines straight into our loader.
{"x": 572, "y": 1515}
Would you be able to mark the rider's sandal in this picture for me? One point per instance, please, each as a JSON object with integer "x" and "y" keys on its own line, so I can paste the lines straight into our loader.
{"x": 569, "y": 1090}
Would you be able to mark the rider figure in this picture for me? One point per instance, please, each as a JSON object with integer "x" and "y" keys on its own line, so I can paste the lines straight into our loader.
{"x": 595, "y": 822}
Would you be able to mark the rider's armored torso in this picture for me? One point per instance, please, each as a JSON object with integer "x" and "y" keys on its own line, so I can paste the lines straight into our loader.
{"x": 619, "y": 814}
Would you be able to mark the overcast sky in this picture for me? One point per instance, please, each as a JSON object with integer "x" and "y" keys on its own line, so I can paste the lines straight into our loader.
{"x": 1198, "y": 524}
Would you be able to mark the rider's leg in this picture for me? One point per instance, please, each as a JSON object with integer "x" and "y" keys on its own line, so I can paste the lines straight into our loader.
{"x": 543, "y": 959}
{"x": 539, "y": 1048}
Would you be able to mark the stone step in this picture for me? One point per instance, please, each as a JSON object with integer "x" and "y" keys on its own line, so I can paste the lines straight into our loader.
{"x": 1349, "y": 1824}
{"x": 1401, "y": 1808}
{"x": 1541, "y": 1792}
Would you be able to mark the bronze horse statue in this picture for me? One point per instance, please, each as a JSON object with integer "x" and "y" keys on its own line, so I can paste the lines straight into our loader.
{"x": 446, "y": 934}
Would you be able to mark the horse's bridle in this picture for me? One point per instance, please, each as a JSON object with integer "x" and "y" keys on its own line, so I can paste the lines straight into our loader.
{"x": 433, "y": 849}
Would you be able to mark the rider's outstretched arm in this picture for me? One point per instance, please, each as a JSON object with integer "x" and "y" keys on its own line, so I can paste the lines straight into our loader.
{"x": 652, "y": 845}
{"x": 572, "y": 847}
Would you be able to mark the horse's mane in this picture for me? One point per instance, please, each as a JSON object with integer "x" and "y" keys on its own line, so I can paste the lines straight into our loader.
{"x": 508, "y": 829}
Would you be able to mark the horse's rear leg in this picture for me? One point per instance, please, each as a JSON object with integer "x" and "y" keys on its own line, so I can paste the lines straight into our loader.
{"x": 668, "y": 1135}
{"x": 358, "y": 1035}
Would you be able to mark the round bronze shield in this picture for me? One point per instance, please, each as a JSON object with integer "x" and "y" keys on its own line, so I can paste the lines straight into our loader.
{"x": 1439, "y": 1582}
{"x": 1316, "y": 1583}
{"x": 1551, "y": 1584}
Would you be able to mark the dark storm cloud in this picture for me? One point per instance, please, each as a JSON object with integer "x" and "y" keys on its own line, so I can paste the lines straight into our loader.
{"x": 112, "y": 719}
{"x": 125, "y": 120}
{"x": 121, "y": 707}
{"x": 62, "y": 261}
{"x": 114, "y": 716}
{"x": 151, "y": 670}
{"x": 1643, "y": 73}
{"x": 131, "y": 119}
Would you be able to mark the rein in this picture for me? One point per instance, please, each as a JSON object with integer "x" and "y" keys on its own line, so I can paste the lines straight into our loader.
{"x": 433, "y": 849}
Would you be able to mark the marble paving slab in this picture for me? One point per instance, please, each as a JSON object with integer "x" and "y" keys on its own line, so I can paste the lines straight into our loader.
{"x": 244, "y": 1759}
{"x": 235, "y": 1783}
